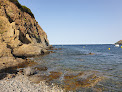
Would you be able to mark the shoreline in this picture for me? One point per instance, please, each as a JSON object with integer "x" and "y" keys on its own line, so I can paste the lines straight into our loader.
{"x": 30, "y": 80}
{"x": 14, "y": 79}
{"x": 20, "y": 83}
{"x": 85, "y": 80}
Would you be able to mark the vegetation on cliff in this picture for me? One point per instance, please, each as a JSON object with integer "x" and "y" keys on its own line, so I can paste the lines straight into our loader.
{"x": 22, "y": 8}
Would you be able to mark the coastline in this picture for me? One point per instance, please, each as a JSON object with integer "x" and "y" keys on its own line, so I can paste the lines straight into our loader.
{"x": 25, "y": 78}
{"x": 26, "y": 64}
{"x": 14, "y": 79}
{"x": 21, "y": 37}
{"x": 20, "y": 83}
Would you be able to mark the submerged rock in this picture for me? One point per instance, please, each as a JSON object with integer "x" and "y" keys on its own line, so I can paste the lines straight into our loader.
{"x": 81, "y": 80}
{"x": 37, "y": 78}
{"x": 72, "y": 75}
{"x": 90, "y": 81}
{"x": 54, "y": 75}
{"x": 91, "y": 53}
{"x": 41, "y": 68}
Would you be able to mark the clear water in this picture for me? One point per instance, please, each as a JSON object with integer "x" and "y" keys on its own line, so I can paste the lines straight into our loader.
{"x": 76, "y": 58}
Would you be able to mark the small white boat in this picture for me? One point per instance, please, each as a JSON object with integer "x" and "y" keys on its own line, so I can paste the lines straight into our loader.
{"x": 116, "y": 45}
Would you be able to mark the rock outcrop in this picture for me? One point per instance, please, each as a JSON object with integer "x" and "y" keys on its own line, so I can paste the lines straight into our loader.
{"x": 119, "y": 42}
{"x": 20, "y": 33}
{"x": 28, "y": 27}
{"x": 27, "y": 50}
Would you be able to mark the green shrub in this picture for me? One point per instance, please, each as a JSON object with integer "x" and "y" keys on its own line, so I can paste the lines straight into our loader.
{"x": 22, "y": 8}
{"x": 25, "y": 9}
{"x": 16, "y": 3}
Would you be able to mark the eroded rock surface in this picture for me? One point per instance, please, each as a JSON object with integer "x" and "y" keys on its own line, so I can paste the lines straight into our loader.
{"x": 20, "y": 33}
{"x": 27, "y": 50}
{"x": 29, "y": 29}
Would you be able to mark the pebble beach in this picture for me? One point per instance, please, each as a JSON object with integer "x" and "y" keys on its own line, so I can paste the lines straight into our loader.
{"x": 20, "y": 83}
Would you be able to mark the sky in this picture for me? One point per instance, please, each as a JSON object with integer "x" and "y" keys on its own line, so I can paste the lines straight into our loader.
{"x": 78, "y": 21}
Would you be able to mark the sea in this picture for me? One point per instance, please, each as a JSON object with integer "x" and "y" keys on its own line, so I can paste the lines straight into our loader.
{"x": 105, "y": 59}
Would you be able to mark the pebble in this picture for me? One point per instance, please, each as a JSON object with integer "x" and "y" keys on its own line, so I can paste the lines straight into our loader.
{"x": 20, "y": 83}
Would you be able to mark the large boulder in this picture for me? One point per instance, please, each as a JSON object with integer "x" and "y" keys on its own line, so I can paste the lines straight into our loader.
{"x": 27, "y": 50}
{"x": 29, "y": 71}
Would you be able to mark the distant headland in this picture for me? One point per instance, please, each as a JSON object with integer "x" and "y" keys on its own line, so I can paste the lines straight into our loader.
{"x": 119, "y": 42}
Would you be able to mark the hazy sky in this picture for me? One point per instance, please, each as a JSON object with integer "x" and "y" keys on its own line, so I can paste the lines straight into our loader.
{"x": 78, "y": 21}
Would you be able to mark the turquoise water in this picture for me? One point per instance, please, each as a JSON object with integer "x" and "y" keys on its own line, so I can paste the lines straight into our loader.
{"x": 76, "y": 58}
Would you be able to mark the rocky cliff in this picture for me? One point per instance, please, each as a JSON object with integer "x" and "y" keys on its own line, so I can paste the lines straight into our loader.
{"x": 23, "y": 21}
{"x": 20, "y": 33}
{"x": 119, "y": 42}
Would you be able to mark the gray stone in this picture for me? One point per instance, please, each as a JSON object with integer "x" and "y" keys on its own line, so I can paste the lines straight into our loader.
{"x": 29, "y": 71}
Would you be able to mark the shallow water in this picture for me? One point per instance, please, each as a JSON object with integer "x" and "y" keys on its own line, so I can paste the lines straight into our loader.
{"x": 76, "y": 58}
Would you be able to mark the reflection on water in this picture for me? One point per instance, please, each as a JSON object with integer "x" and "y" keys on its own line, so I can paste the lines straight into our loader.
{"x": 74, "y": 68}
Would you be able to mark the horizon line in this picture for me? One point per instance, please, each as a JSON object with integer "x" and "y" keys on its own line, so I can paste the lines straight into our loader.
{"x": 85, "y": 44}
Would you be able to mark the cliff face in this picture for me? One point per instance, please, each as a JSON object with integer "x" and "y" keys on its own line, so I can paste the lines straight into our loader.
{"x": 119, "y": 42}
{"x": 20, "y": 34}
{"x": 21, "y": 19}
